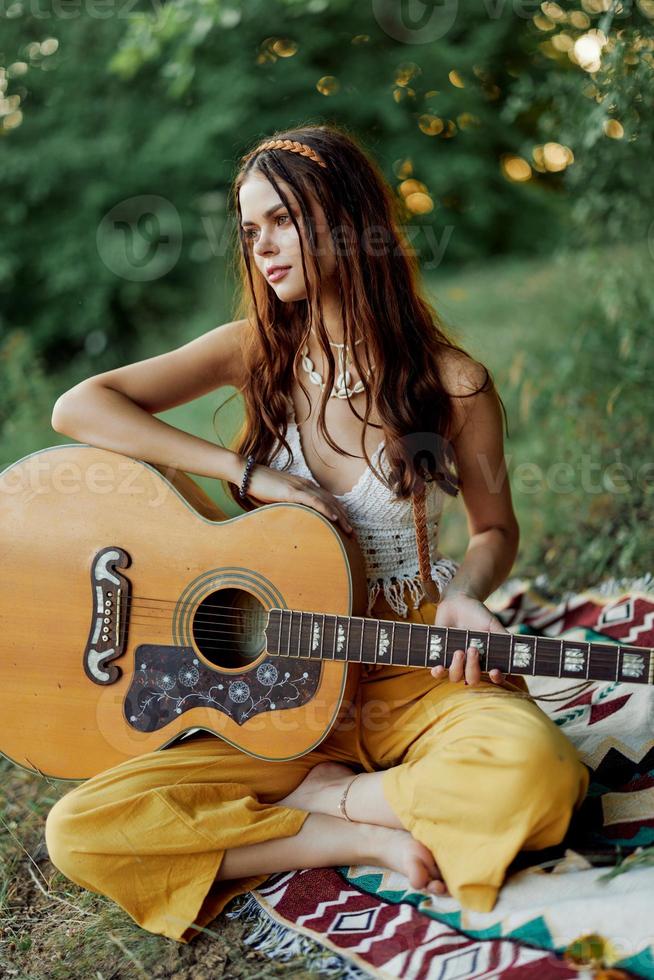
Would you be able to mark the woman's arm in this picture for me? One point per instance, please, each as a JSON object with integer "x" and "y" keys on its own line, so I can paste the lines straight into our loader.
{"x": 493, "y": 528}
{"x": 115, "y": 410}
{"x": 485, "y": 489}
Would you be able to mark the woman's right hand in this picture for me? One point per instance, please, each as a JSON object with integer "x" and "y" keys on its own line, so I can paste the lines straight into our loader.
{"x": 268, "y": 485}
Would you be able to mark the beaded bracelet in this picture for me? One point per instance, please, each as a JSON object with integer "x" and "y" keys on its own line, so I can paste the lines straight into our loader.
{"x": 246, "y": 476}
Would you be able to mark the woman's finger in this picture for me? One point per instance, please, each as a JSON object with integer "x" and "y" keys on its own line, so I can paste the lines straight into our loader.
{"x": 472, "y": 670}
{"x": 456, "y": 667}
{"x": 330, "y": 511}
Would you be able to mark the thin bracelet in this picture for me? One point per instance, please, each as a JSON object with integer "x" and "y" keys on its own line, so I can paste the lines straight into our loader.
{"x": 246, "y": 476}
{"x": 341, "y": 805}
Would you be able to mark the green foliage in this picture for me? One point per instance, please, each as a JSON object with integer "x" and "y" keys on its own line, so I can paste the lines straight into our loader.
{"x": 592, "y": 415}
{"x": 569, "y": 343}
{"x": 601, "y": 115}
{"x": 27, "y": 399}
{"x": 161, "y": 103}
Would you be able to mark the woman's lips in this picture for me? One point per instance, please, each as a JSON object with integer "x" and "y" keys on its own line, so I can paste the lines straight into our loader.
{"x": 278, "y": 274}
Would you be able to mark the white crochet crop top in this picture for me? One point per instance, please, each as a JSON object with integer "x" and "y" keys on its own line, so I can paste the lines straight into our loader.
{"x": 384, "y": 528}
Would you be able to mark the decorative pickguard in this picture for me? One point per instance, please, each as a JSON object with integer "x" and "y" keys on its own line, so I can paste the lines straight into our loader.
{"x": 169, "y": 680}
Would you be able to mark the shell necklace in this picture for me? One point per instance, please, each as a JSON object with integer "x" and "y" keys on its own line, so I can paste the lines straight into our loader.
{"x": 341, "y": 387}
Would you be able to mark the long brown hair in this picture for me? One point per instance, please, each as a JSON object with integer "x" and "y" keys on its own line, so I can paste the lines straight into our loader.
{"x": 380, "y": 296}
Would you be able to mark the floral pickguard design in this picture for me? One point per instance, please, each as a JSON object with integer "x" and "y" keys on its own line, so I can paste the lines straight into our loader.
{"x": 169, "y": 680}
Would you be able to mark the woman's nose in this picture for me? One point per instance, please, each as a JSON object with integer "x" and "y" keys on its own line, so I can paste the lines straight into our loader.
{"x": 264, "y": 243}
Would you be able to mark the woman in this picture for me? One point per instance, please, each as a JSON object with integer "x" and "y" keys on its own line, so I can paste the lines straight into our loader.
{"x": 427, "y": 778}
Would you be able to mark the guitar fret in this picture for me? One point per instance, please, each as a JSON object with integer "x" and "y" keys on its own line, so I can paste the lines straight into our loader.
{"x": 279, "y": 635}
{"x": 384, "y": 645}
{"x": 348, "y": 639}
{"x": 416, "y": 656}
{"x": 340, "y": 640}
{"x": 316, "y": 634}
{"x": 370, "y": 642}
{"x": 480, "y": 641}
{"x": 456, "y": 640}
{"x": 283, "y": 636}
{"x": 633, "y": 668}
{"x": 499, "y": 655}
{"x": 574, "y": 658}
{"x": 288, "y": 641}
{"x": 435, "y": 652}
{"x": 401, "y": 644}
{"x": 299, "y": 635}
{"x": 306, "y": 633}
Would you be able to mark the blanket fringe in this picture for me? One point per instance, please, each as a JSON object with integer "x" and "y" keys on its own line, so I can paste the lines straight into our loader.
{"x": 281, "y": 942}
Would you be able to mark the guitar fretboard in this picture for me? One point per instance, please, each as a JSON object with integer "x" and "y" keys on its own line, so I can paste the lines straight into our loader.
{"x": 320, "y": 636}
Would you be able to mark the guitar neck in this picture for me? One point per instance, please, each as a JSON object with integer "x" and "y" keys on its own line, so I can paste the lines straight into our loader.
{"x": 321, "y": 636}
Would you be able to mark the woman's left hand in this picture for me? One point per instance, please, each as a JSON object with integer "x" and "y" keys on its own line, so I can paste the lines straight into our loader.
{"x": 462, "y": 611}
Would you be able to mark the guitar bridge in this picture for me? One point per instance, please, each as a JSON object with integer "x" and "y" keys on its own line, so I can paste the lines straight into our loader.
{"x": 108, "y": 632}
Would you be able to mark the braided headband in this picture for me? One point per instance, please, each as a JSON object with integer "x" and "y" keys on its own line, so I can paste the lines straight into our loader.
{"x": 302, "y": 148}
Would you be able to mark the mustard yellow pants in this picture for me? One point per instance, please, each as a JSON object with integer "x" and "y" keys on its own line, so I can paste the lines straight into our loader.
{"x": 474, "y": 773}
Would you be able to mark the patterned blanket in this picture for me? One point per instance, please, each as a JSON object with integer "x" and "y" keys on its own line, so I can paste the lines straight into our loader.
{"x": 588, "y": 901}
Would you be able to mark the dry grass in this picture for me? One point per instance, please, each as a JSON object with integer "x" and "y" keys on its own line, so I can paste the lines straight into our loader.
{"x": 50, "y": 929}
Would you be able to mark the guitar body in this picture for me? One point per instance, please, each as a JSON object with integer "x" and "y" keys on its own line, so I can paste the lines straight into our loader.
{"x": 132, "y": 610}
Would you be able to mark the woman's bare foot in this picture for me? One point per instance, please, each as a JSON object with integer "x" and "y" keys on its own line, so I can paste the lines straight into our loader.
{"x": 398, "y": 850}
{"x": 392, "y": 848}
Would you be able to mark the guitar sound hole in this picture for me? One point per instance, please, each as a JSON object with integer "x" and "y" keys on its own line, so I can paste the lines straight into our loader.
{"x": 228, "y": 628}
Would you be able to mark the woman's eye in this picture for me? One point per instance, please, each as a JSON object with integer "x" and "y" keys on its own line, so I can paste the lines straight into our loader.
{"x": 251, "y": 232}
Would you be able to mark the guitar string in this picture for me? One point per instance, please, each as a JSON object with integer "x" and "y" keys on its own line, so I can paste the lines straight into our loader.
{"x": 237, "y": 617}
{"x": 544, "y": 657}
{"x": 235, "y": 613}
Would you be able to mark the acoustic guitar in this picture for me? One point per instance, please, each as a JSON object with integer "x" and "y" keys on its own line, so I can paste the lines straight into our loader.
{"x": 133, "y": 610}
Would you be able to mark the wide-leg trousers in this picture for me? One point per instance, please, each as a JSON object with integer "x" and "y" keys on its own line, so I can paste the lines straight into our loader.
{"x": 476, "y": 774}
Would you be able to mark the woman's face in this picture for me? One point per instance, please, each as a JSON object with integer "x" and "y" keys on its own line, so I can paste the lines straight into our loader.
{"x": 273, "y": 240}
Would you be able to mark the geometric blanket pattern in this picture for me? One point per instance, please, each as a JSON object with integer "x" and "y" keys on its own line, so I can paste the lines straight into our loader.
{"x": 559, "y": 908}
